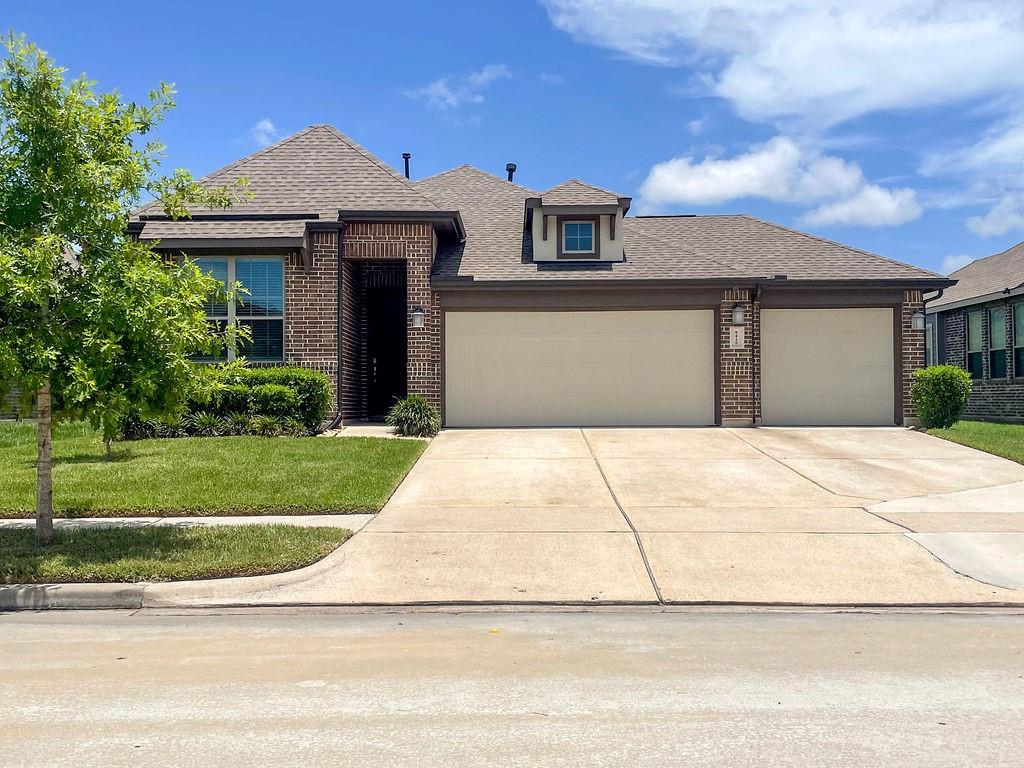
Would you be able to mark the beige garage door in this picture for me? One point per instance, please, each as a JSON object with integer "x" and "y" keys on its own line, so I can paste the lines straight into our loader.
{"x": 827, "y": 366}
{"x": 579, "y": 368}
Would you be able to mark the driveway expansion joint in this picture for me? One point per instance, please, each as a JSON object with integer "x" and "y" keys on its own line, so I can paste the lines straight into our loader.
{"x": 636, "y": 533}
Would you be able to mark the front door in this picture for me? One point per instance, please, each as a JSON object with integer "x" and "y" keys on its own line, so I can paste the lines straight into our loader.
{"x": 385, "y": 348}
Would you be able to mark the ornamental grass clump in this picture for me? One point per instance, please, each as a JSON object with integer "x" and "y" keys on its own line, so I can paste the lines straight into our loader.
{"x": 413, "y": 416}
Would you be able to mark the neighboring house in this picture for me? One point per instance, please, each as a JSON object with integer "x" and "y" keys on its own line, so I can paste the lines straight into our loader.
{"x": 504, "y": 306}
{"x": 978, "y": 324}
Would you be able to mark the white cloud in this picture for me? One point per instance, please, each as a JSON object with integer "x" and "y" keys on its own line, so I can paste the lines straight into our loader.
{"x": 452, "y": 92}
{"x": 955, "y": 261}
{"x": 784, "y": 172}
{"x": 872, "y": 206}
{"x": 552, "y": 78}
{"x": 1006, "y": 215}
{"x": 818, "y": 62}
{"x": 696, "y": 127}
{"x": 264, "y": 133}
{"x": 999, "y": 151}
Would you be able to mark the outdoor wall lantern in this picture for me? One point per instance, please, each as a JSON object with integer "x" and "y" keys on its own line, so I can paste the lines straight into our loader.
{"x": 418, "y": 317}
{"x": 917, "y": 321}
{"x": 739, "y": 315}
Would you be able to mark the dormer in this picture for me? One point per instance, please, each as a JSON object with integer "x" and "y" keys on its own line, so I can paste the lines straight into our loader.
{"x": 575, "y": 222}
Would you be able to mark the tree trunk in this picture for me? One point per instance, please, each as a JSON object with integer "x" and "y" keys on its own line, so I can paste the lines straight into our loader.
{"x": 44, "y": 466}
{"x": 108, "y": 446}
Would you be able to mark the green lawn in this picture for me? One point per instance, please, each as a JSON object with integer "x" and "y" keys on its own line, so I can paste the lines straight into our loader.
{"x": 203, "y": 476}
{"x": 1006, "y": 440}
{"x": 164, "y": 553}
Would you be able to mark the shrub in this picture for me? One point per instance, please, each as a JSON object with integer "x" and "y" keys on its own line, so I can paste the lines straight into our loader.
{"x": 293, "y": 428}
{"x": 237, "y": 423}
{"x": 265, "y": 426}
{"x": 204, "y": 424}
{"x": 134, "y": 427}
{"x": 940, "y": 394}
{"x": 274, "y": 400}
{"x": 413, "y": 416}
{"x": 231, "y": 398}
{"x": 312, "y": 388}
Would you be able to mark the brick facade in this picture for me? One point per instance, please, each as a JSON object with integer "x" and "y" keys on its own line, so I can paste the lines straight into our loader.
{"x": 311, "y": 307}
{"x": 911, "y": 348}
{"x": 991, "y": 399}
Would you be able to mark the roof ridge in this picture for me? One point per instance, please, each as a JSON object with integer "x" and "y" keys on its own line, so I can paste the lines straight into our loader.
{"x": 479, "y": 171}
{"x": 368, "y": 155}
{"x": 837, "y": 244}
{"x": 980, "y": 259}
{"x": 582, "y": 183}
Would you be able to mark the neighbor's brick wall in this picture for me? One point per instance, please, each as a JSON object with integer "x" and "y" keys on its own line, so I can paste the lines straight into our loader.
{"x": 737, "y": 366}
{"x": 412, "y": 243}
{"x": 991, "y": 399}
{"x": 912, "y": 347}
{"x": 311, "y": 301}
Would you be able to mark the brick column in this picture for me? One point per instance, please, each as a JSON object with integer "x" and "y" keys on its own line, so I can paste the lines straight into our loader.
{"x": 739, "y": 390}
{"x": 311, "y": 302}
{"x": 911, "y": 348}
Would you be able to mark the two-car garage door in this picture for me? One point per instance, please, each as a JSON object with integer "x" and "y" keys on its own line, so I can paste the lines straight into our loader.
{"x": 657, "y": 367}
{"x": 545, "y": 368}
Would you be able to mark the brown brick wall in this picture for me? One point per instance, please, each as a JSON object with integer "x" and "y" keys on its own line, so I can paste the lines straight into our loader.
{"x": 413, "y": 244}
{"x": 311, "y": 301}
{"x": 737, "y": 366}
{"x": 911, "y": 347}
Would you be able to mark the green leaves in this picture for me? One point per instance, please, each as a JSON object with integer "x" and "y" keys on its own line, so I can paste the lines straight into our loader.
{"x": 81, "y": 301}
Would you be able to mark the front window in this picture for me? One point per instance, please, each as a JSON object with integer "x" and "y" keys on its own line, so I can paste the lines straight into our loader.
{"x": 997, "y": 343}
{"x": 929, "y": 343}
{"x": 1018, "y": 339}
{"x": 578, "y": 237}
{"x": 975, "y": 321}
{"x": 261, "y": 310}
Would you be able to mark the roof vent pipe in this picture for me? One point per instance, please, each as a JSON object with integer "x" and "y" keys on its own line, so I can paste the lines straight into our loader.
{"x": 405, "y": 157}
{"x": 511, "y": 168}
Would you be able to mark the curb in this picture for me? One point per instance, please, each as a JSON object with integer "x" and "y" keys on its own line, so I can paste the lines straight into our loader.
{"x": 31, "y": 597}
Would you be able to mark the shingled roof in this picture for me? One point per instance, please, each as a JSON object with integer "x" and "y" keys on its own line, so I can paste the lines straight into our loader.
{"x": 317, "y": 171}
{"x": 732, "y": 247}
{"x": 994, "y": 274}
{"x": 576, "y": 192}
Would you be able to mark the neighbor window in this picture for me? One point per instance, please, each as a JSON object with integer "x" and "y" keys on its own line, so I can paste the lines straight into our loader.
{"x": 974, "y": 352}
{"x": 577, "y": 237}
{"x": 1018, "y": 339}
{"x": 997, "y": 343}
{"x": 261, "y": 310}
{"x": 930, "y": 347}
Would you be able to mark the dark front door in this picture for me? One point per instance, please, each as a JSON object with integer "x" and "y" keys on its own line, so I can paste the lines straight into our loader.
{"x": 385, "y": 348}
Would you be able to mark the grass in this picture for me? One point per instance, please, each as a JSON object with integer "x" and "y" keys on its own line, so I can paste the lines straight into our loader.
{"x": 162, "y": 553}
{"x": 1006, "y": 440}
{"x": 203, "y": 476}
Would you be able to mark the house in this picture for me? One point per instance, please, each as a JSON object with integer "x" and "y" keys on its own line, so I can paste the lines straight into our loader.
{"x": 507, "y": 306}
{"x": 978, "y": 324}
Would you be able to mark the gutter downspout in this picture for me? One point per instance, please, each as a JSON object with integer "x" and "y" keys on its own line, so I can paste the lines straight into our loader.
{"x": 755, "y": 370}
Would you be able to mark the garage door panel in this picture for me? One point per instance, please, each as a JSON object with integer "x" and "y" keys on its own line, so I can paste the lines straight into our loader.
{"x": 568, "y": 368}
{"x": 827, "y": 366}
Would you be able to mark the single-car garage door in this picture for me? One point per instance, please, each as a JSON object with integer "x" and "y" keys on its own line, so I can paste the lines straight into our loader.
{"x": 579, "y": 368}
{"x": 827, "y": 366}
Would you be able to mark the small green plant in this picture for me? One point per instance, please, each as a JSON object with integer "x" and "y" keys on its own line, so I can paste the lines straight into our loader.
{"x": 265, "y": 426}
{"x": 293, "y": 427}
{"x": 940, "y": 394}
{"x": 203, "y": 424}
{"x": 413, "y": 416}
{"x": 237, "y": 424}
{"x": 274, "y": 400}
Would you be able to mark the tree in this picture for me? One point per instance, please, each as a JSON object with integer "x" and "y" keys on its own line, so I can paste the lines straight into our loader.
{"x": 92, "y": 321}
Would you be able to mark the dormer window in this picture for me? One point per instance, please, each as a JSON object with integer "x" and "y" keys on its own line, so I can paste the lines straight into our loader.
{"x": 578, "y": 237}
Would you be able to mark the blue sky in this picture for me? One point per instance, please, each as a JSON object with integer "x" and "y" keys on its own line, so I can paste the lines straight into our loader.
{"x": 892, "y": 125}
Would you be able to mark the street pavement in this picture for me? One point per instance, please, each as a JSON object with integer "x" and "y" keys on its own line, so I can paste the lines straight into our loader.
{"x": 609, "y": 687}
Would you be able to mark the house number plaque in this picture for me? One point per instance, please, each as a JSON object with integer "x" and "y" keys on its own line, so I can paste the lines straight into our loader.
{"x": 737, "y": 339}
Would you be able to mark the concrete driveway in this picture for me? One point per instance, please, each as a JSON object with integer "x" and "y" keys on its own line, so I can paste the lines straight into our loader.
{"x": 769, "y": 515}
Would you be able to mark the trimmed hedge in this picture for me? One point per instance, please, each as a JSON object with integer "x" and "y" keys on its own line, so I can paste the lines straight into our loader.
{"x": 263, "y": 401}
{"x": 940, "y": 394}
